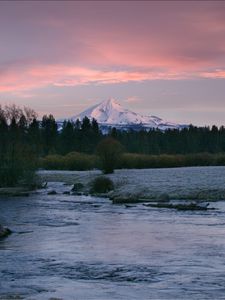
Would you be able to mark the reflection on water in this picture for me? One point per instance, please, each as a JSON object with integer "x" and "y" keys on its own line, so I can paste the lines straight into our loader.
{"x": 74, "y": 247}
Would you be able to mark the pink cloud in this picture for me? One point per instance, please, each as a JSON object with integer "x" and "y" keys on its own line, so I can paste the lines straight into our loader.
{"x": 78, "y": 43}
{"x": 37, "y": 76}
{"x": 31, "y": 77}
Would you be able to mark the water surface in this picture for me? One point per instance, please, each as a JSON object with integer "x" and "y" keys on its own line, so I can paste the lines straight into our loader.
{"x": 76, "y": 247}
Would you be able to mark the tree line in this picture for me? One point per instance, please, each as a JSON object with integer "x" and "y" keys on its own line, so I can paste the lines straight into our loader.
{"x": 188, "y": 140}
{"x": 20, "y": 129}
{"x": 83, "y": 136}
{"x": 24, "y": 140}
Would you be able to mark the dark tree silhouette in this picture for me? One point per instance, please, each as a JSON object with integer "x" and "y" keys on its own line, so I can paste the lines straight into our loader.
{"x": 49, "y": 134}
{"x": 16, "y": 156}
{"x": 109, "y": 151}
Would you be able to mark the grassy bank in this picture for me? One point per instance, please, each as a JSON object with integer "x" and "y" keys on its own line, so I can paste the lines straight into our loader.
{"x": 139, "y": 161}
{"x": 80, "y": 162}
{"x": 73, "y": 161}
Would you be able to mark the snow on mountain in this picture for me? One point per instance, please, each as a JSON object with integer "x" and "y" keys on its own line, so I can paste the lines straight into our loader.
{"x": 110, "y": 113}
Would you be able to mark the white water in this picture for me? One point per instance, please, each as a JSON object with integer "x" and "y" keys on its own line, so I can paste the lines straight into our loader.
{"x": 73, "y": 247}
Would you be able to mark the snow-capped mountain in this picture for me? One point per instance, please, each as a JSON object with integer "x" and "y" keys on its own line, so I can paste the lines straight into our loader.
{"x": 110, "y": 113}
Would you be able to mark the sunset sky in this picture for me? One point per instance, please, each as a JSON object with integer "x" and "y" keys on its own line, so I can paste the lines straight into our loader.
{"x": 158, "y": 58}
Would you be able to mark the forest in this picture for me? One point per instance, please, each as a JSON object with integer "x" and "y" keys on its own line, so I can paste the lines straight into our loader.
{"x": 27, "y": 143}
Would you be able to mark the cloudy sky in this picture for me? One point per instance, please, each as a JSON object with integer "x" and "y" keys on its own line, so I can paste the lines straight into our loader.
{"x": 159, "y": 58}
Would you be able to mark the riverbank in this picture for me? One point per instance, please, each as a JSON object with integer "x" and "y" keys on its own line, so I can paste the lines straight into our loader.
{"x": 14, "y": 192}
{"x": 191, "y": 183}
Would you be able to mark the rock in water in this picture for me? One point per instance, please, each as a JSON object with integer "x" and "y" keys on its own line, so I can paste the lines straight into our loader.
{"x": 53, "y": 192}
{"x": 4, "y": 231}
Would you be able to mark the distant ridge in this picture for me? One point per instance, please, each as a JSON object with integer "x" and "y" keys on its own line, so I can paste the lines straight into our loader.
{"x": 110, "y": 113}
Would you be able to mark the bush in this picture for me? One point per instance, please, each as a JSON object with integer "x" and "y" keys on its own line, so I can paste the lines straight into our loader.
{"x": 109, "y": 151}
{"x": 19, "y": 170}
{"x": 141, "y": 161}
{"x": 220, "y": 159}
{"x": 73, "y": 161}
{"x": 52, "y": 162}
{"x": 80, "y": 161}
{"x": 9, "y": 175}
{"x": 102, "y": 185}
{"x": 200, "y": 159}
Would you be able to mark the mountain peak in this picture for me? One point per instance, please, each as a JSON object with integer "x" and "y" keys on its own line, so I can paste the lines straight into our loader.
{"x": 110, "y": 113}
{"x": 110, "y": 104}
{"x": 110, "y": 101}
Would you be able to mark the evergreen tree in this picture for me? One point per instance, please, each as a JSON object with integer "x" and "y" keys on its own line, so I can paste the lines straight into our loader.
{"x": 49, "y": 134}
{"x": 67, "y": 138}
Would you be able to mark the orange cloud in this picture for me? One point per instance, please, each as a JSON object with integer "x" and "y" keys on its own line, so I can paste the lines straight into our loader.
{"x": 214, "y": 74}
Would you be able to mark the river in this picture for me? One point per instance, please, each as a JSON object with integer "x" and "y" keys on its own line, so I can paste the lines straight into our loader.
{"x": 83, "y": 248}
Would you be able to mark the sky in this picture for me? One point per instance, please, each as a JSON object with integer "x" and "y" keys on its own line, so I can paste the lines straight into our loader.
{"x": 163, "y": 58}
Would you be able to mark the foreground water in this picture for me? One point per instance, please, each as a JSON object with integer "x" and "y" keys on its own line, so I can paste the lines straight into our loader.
{"x": 74, "y": 247}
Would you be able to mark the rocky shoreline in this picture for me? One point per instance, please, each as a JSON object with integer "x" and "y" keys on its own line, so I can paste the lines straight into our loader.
{"x": 189, "y": 184}
{"x": 178, "y": 188}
